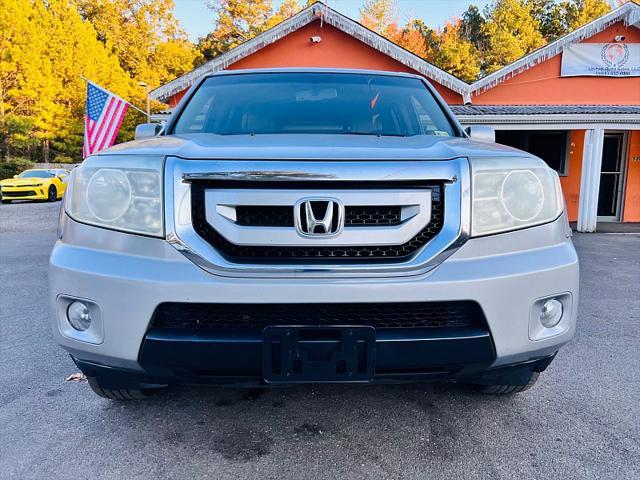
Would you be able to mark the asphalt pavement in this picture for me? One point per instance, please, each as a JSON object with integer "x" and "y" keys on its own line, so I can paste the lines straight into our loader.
{"x": 582, "y": 419}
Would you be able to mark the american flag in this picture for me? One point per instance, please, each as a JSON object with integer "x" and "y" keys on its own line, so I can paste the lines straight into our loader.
{"x": 102, "y": 119}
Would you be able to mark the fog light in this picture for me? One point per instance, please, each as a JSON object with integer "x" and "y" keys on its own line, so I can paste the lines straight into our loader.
{"x": 79, "y": 316}
{"x": 551, "y": 313}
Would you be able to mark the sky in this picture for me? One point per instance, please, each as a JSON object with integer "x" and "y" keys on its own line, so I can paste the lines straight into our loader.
{"x": 197, "y": 19}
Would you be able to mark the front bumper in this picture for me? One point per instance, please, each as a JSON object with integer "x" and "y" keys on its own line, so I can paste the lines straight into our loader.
{"x": 24, "y": 193}
{"x": 128, "y": 276}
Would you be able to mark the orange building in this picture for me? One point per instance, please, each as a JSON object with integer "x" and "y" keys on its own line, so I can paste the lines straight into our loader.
{"x": 575, "y": 102}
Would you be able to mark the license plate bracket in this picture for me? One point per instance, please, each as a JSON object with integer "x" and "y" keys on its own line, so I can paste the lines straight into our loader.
{"x": 301, "y": 354}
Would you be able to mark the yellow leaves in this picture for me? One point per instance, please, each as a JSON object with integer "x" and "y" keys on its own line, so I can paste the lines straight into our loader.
{"x": 512, "y": 32}
{"x": 379, "y": 15}
{"x": 457, "y": 55}
{"x": 586, "y": 11}
{"x": 139, "y": 33}
{"x": 46, "y": 45}
{"x": 237, "y": 22}
{"x": 287, "y": 9}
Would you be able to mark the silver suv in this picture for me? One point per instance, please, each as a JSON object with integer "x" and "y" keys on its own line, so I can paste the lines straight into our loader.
{"x": 301, "y": 226}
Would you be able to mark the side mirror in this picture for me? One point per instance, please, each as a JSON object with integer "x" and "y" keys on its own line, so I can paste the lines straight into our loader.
{"x": 147, "y": 130}
{"x": 482, "y": 133}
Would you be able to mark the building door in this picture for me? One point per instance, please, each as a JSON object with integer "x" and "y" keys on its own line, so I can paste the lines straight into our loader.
{"x": 612, "y": 177}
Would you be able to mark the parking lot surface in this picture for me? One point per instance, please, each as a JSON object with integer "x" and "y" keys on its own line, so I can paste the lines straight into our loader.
{"x": 582, "y": 419}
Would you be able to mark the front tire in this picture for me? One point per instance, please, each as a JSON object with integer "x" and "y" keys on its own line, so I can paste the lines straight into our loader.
{"x": 121, "y": 394}
{"x": 498, "y": 389}
{"x": 52, "y": 194}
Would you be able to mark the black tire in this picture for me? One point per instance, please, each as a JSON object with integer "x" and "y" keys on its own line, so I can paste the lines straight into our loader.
{"x": 508, "y": 389}
{"x": 120, "y": 393}
{"x": 52, "y": 194}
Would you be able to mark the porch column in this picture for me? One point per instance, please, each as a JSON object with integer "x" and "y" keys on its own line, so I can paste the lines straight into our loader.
{"x": 590, "y": 181}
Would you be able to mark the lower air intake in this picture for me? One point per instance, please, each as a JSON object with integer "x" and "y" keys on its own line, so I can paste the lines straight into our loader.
{"x": 231, "y": 316}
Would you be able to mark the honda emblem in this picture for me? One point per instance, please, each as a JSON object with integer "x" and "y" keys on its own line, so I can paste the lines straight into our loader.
{"x": 319, "y": 217}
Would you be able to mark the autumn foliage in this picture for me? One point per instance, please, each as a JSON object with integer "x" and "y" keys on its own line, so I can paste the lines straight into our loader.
{"x": 478, "y": 43}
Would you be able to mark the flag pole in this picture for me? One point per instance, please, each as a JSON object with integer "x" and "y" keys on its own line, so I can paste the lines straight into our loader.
{"x": 120, "y": 98}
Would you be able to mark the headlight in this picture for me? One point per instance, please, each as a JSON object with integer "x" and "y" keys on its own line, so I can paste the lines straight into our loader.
{"x": 508, "y": 197}
{"x": 118, "y": 192}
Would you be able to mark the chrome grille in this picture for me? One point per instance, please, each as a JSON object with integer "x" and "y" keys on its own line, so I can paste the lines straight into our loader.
{"x": 224, "y": 184}
{"x": 353, "y": 253}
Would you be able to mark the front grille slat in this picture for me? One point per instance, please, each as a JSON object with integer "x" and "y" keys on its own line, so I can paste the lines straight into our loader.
{"x": 255, "y": 317}
{"x": 282, "y": 215}
{"x": 264, "y": 215}
{"x": 372, "y": 215}
{"x": 266, "y": 253}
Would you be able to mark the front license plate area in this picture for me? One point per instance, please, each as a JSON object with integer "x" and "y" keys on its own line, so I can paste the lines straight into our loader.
{"x": 318, "y": 354}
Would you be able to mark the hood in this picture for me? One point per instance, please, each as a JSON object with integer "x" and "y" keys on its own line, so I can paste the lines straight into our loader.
{"x": 313, "y": 147}
{"x": 22, "y": 182}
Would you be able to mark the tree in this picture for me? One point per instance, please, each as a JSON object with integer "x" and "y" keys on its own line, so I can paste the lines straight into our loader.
{"x": 22, "y": 74}
{"x": 472, "y": 27}
{"x": 45, "y": 48}
{"x": 287, "y": 9}
{"x": 581, "y": 12}
{"x": 144, "y": 35}
{"x": 73, "y": 51}
{"x": 379, "y": 15}
{"x": 236, "y": 22}
{"x": 512, "y": 32}
{"x": 456, "y": 54}
{"x": 559, "y": 18}
{"x": 412, "y": 37}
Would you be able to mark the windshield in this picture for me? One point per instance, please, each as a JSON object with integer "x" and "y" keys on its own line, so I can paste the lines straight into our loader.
{"x": 329, "y": 103}
{"x": 36, "y": 174}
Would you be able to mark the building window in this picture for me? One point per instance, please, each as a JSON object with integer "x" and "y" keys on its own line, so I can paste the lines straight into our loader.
{"x": 551, "y": 146}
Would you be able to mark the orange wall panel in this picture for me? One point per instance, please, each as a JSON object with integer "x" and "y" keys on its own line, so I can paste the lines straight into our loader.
{"x": 175, "y": 99}
{"x": 571, "y": 183}
{"x": 542, "y": 84}
{"x": 631, "y": 212}
{"x": 336, "y": 50}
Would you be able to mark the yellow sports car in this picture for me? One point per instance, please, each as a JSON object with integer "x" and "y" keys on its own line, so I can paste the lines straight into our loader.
{"x": 36, "y": 184}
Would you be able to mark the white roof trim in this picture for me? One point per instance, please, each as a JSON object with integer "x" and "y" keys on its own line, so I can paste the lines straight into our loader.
{"x": 304, "y": 17}
{"x": 629, "y": 13}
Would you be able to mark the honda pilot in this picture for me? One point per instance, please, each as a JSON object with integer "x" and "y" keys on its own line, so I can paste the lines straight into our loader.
{"x": 309, "y": 226}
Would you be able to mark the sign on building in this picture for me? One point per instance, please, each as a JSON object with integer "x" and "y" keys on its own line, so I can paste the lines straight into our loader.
{"x": 601, "y": 60}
